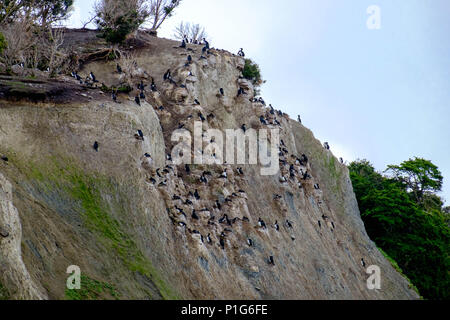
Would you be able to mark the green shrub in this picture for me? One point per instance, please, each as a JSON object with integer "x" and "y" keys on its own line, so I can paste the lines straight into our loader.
{"x": 252, "y": 72}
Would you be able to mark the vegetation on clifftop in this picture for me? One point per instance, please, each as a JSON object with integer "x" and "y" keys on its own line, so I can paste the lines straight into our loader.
{"x": 406, "y": 219}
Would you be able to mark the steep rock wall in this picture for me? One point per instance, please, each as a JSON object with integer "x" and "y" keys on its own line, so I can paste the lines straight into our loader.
{"x": 108, "y": 212}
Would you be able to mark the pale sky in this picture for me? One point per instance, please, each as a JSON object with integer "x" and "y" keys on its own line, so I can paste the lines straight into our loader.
{"x": 383, "y": 95}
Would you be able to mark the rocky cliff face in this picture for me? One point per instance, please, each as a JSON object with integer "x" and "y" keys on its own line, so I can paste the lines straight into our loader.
{"x": 127, "y": 219}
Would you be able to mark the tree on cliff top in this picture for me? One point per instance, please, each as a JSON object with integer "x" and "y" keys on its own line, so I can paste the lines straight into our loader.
{"x": 160, "y": 11}
{"x": 194, "y": 32}
{"x": 420, "y": 176}
{"x": 119, "y": 18}
{"x": 414, "y": 233}
{"x": 41, "y": 12}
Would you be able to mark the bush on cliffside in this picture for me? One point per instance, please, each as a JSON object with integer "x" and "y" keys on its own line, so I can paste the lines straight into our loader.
{"x": 252, "y": 72}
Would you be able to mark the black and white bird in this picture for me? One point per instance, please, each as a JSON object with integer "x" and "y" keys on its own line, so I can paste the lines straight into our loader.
{"x": 95, "y": 146}
{"x": 196, "y": 194}
{"x": 271, "y": 261}
{"x": 250, "y": 242}
{"x": 224, "y": 174}
{"x": 363, "y": 263}
{"x": 194, "y": 215}
{"x": 221, "y": 91}
{"x": 137, "y": 100}
{"x": 261, "y": 223}
{"x": 140, "y": 134}
{"x": 262, "y": 120}
{"x": 92, "y": 76}
{"x": 244, "y": 128}
{"x": 299, "y": 119}
{"x": 288, "y": 224}
{"x": 276, "y": 226}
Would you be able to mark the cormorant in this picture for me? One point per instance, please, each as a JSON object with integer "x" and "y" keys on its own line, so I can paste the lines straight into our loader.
{"x": 91, "y": 75}
{"x": 277, "y": 227}
{"x": 95, "y": 146}
{"x": 261, "y": 223}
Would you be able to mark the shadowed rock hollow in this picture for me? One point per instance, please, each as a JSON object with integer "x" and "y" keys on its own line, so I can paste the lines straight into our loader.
{"x": 120, "y": 215}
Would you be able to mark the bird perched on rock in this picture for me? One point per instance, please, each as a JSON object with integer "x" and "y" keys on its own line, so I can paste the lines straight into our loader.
{"x": 261, "y": 223}
{"x": 139, "y": 135}
{"x": 137, "y": 100}
{"x": 221, "y": 91}
{"x": 288, "y": 224}
{"x": 92, "y": 76}
{"x": 114, "y": 96}
{"x": 276, "y": 226}
{"x": 95, "y": 146}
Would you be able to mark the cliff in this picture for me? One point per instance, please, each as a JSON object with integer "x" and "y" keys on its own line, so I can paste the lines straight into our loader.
{"x": 119, "y": 215}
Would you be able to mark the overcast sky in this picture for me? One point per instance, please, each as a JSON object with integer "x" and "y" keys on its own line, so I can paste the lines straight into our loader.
{"x": 382, "y": 95}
